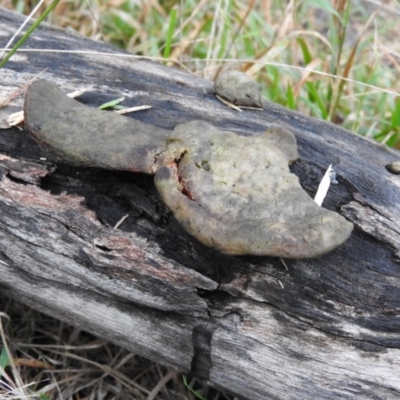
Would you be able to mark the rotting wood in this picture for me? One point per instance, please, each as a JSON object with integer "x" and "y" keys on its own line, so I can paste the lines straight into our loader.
{"x": 332, "y": 331}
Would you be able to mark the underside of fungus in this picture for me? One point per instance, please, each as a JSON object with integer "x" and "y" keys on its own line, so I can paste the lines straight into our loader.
{"x": 230, "y": 192}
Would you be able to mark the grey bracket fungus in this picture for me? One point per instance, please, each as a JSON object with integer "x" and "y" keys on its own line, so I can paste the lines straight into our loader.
{"x": 86, "y": 136}
{"x": 239, "y": 89}
{"x": 237, "y": 194}
{"x": 233, "y": 193}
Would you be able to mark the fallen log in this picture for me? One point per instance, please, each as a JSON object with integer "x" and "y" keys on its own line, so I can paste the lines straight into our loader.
{"x": 325, "y": 327}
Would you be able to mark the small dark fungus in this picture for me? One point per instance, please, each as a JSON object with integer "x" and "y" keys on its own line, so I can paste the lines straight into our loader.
{"x": 239, "y": 89}
{"x": 394, "y": 167}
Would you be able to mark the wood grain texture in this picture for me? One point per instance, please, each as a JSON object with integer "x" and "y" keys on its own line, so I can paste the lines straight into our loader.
{"x": 326, "y": 328}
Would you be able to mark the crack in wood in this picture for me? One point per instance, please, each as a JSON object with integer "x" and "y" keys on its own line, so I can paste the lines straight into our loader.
{"x": 201, "y": 339}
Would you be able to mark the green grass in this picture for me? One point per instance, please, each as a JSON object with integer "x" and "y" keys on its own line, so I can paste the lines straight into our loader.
{"x": 349, "y": 48}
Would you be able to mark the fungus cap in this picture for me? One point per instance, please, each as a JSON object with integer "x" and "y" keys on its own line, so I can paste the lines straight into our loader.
{"x": 237, "y": 194}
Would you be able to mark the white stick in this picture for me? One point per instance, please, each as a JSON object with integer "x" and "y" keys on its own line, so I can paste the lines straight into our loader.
{"x": 324, "y": 186}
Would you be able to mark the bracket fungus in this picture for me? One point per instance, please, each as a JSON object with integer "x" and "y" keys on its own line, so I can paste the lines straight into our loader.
{"x": 233, "y": 193}
{"x": 86, "y": 136}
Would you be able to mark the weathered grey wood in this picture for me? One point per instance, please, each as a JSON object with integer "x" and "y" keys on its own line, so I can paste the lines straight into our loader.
{"x": 327, "y": 328}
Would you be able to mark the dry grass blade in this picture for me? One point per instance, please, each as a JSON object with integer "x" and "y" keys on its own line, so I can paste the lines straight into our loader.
{"x": 76, "y": 93}
{"x": 12, "y": 96}
{"x": 348, "y": 67}
{"x": 132, "y": 109}
{"x": 15, "y": 119}
{"x": 118, "y": 224}
{"x": 19, "y": 387}
{"x": 160, "y": 384}
{"x": 29, "y": 31}
{"x": 19, "y": 90}
{"x": 305, "y": 76}
{"x": 252, "y": 68}
{"x": 236, "y": 33}
{"x": 186, "y": 42}
{"x": 228, "y": 103}
{"x": 21, "y": 27}
{"x": 217, "y": 22}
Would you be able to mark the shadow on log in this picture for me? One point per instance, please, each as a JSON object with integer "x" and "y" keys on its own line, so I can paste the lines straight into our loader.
{"x": 325, "y": 328}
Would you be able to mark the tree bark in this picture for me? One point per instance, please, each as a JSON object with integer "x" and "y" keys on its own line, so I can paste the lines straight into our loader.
{"x": 324, "y": 328}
